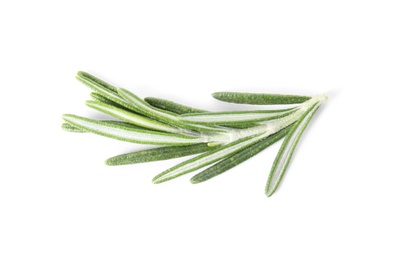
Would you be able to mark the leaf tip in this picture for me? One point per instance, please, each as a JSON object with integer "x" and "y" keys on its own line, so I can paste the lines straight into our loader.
{"x": 66, "y": 117}
{"x": 215, "y": 94}
{"x": 81, "y": 74}
{"x": 194, "y": 180}
{"x": 156, "y": 180}
{"x": 109, "y": 162}
{"x": 269, "y": 193}
{"x": 121, "y": 90}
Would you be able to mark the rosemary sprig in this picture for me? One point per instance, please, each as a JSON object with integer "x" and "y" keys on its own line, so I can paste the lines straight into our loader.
{"x": 226, "y": 138}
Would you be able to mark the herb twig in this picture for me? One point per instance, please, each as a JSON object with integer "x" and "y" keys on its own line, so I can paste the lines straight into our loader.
{"x": 225, "y": 138}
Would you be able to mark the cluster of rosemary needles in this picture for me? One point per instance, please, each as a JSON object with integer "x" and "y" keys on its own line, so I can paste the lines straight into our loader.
{"x": 222, "y": 139}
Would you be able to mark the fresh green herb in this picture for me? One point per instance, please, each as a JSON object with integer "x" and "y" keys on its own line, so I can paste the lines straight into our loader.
{"x": 226, "y": 138}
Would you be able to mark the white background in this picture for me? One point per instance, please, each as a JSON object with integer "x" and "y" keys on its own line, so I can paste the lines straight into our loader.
{"x": 339, "y": 198}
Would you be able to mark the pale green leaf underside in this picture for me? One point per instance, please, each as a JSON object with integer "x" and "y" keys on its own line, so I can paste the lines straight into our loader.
{"x": 130, "y": 134}
{"x": 130, "y": 117}
{"x": 103, "y": 91}
{"x": 205, "y": 159}
{"x": 98, "y": 97}
{"x": 287, "y": 149}
{"x": 68, "y": 127}
{"x": 169, "y": 118}
{"x": 234, "y": 117}
{"x": 238, "y": 157}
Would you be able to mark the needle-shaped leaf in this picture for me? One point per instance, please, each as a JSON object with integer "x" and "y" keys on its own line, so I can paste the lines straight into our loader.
{"x": 129, "y": 134}
{"x": 101, "y": 82}
{"x": 182, "y": 109}
{"x": 284, "y": 155}
{"x": 70, "y": 128}
{"x": 206, "y": 159}
{"x": 158, "y": 154}
{"x": 235, "y": 117}
{"x": 172, "y": 106}
{"x": 130, "y": 117}
{"x": 144, "y": 108}
{"x": 239, "y": 157}
{"x": 259, "y": 98}
{"x": 105, "y": 91}
{"x": 97, "y": 97}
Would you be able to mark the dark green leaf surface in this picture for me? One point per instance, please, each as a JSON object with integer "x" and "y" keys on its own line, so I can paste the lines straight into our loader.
{"x": 158, "y": 154}
{"x": 259, "y": 98}
{"x": 171, "y": 106}
{"x": 238, "y": 158}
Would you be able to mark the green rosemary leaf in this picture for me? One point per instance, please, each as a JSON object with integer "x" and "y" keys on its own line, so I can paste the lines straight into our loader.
{"x": 235, "y": 117}
{"x": 129, "y": 134}
{"x": 130, "y": 117}
{"x": 239, "y": 157}
{"x": 206, "y": 159}
{"x": 284, "y": 155}
{"x": 258, "y": 98}
{"x": 158, "y": 154}
{"x": 103, "y": 91}
{"x": 121, "y": 123}
{"x": 144, "y": 108}
{"x": 82, "y": 74}
{"x": 182, "y": 109}
{"x": 172, "y": 106}
{"x": 97, "y": 97}
{"x": 70, "y": 128}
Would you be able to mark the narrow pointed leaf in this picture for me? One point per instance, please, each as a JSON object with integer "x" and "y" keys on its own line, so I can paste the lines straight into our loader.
{"x": 101, "y": 82}
{"x": 129, "y": 134}
{"x": 238, "y": 158}
{"x": 144, "y": 108}
{"x": 182, "y": 109}
{"x": 206, "y": 159}
{"x": 158, "y": 154}
{"x": 130, "y": 117}
{"x": 284, "y": 155}
{"x": 172, "y": 106}
{"x": 70, "y": 128}
{"x": 103, "y": 91}
{"x": 259, "y": 98}
{"x": 97, "y": 97}
{"x": 235, "y": 117}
